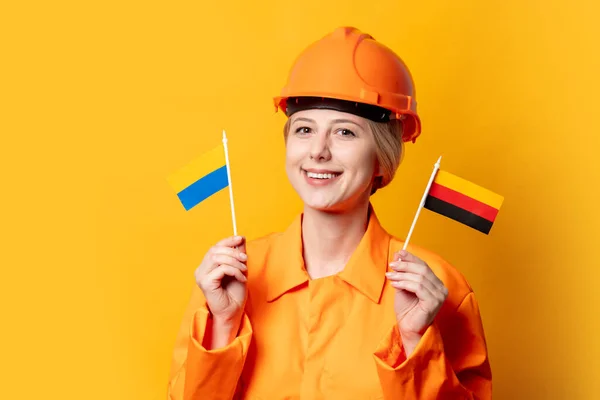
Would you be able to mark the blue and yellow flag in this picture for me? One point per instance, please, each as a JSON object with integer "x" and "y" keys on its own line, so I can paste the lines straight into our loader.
{"x": 201, "y": 178}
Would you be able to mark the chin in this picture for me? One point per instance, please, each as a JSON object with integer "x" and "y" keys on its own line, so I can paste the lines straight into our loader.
{"x": 328, "y": 204}
{"x": 329, "y": 208}
{"x": 320, "y": 201}
{"x": 331, "y": 200}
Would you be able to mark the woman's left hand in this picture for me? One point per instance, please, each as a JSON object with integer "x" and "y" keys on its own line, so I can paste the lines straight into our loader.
{"x": 419, "y": 296}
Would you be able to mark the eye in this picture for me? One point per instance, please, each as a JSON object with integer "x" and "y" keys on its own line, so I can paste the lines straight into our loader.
{"x": 346, "y": 132}
{"x": 303, "y": 130}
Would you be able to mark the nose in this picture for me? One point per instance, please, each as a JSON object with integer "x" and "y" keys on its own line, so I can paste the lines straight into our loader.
{"x": 319, "y": 147}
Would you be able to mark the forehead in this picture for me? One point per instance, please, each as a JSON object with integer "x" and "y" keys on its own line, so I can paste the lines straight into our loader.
{"x": 326, "y": 116}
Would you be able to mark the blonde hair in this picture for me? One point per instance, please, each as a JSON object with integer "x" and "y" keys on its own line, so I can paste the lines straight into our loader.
{"x": 389, "y": 148}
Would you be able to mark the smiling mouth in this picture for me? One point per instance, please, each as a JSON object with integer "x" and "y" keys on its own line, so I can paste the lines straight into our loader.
{"x": 324, "y": 176}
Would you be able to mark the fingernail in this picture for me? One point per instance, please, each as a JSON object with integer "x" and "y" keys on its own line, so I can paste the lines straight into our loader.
{"x": 388, "y": 274}
{"x": 243, "y": 256}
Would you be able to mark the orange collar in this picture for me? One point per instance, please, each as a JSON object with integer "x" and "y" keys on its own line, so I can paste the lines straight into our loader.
{"x": 365, "y": 270}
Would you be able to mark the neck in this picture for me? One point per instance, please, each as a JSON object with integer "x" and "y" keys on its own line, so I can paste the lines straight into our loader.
{"x": 329, "y": 239}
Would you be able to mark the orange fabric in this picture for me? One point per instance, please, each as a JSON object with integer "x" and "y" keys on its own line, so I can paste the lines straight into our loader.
{"x": 334, "y": 337}
{"x": 351, "y": 65}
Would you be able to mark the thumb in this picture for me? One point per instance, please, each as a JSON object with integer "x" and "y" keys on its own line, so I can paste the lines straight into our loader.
{"x": 409, "y": 257}
{"x": 242, "y": 246}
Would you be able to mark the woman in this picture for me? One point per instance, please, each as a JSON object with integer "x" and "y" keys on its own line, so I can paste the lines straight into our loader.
{"x": 332, "y": 308}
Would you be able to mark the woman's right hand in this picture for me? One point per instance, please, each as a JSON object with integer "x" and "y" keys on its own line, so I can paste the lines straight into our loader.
{"x": 221, "y": 278}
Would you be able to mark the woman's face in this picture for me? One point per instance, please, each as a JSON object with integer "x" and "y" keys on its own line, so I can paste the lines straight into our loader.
{"x": 330, "y": 159}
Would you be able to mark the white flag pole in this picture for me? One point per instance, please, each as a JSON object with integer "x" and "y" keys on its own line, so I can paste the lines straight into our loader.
{"x": 230, "y": 184}
{"x": 412, "y": 227}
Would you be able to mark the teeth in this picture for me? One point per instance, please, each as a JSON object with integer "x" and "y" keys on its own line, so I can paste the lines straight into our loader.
{"x": 320, "y": 176}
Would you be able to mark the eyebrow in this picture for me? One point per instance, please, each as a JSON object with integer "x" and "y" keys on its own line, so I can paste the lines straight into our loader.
{"x": 304, "y": 119}
{"x": 342, "y": 120}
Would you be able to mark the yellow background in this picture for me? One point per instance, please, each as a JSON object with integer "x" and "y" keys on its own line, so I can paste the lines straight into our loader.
{"x": 101, "y": 101}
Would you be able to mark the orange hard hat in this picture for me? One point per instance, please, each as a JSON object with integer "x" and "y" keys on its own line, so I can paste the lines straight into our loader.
{"x": 348, "y": 70}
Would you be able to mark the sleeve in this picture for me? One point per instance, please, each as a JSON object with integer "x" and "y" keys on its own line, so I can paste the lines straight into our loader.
{"x": 448, "y": 364}
{"x": 198, "y": 373}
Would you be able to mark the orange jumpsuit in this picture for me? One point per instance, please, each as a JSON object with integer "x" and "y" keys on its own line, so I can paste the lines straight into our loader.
{"x": 334, "y": 337}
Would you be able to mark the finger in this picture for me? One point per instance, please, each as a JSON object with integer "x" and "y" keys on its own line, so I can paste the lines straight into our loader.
{"x": 409, "y": 276}
{"x": 404, "y": 255}
{"x": 420, "y": 279}
{"x": 230, "y": 252}
{"x": 439, "y": 293}
{"x": 218, "y": 273}
{"x": 222, "y": 259}
{"x": 419, "y": 269}
{"x": 405, "y": 266}
{"x": 231, "y": 241}
{"x": 430, "y": 300}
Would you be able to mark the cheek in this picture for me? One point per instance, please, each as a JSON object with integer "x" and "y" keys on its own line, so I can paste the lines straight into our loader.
{"x": 360, "y": 160}
{"x": 293, "y": 154}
